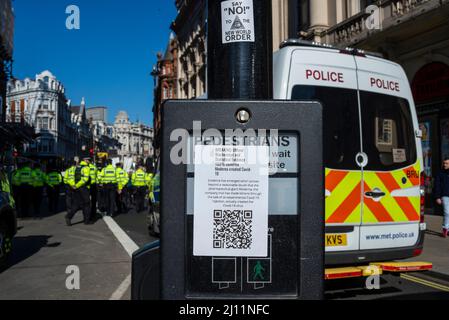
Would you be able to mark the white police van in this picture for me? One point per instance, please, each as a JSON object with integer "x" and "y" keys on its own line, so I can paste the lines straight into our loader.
{"x": 372, "y": 149}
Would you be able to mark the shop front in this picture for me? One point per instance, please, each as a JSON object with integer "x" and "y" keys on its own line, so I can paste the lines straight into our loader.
{"x": 430, "y": 88}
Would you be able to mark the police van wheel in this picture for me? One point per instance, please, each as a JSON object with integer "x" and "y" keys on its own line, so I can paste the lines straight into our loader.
{"x": 5, "y": 245}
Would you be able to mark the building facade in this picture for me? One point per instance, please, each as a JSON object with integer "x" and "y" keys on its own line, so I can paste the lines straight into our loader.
{"x": 83, "y": 130}
{"x": 165, "y": 83}
{"x": 41, "y": 103}
{"x": 136, "y": 139}
{"x": 190, "y": 29}
{"x": 104, "y": 136}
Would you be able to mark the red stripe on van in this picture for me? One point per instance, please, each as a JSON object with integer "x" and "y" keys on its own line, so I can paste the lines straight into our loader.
{"x": 334, "y": 178}
{"x": 409, "y": 210}
{"x": 347, "y": 207}
{"x": 403, "y": 202}
{"x": 377, "y": 209}
{"x": 388, "y": 181}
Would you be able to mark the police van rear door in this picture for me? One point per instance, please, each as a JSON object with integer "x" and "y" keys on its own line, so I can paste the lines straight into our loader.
{"x": 391, "y": 194}
{"x": 330, "y": 77}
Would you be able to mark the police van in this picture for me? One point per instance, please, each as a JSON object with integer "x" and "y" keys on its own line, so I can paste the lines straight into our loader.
{"x": 372, "y": 149}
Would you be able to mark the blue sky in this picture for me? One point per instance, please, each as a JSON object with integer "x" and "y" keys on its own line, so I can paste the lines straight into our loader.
{"x": 108, "y": 61}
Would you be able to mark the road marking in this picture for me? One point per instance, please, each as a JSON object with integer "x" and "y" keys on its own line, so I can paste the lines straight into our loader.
{"x": 127, "y": 243}
{"x": 425, "y": 282}
{"x": 121, "y": 290}
{"x": 130, "y": 247}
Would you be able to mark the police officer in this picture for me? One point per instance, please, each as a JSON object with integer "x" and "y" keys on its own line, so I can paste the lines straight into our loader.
{"x": 15, "y": 186}
{"x": 38, "y": 183}
{"x": 77, "y": 179}
{"x": 22, "y": 180}
{"x": 93, "y": 188}
{"x": 6, "y": 187}
{"x": 53, "y": 180}
{"x": 138, "y": 181}
{"x": 122, "y": 190}
{"x": 149, "y": 184}
{"x": 108, "y": 180}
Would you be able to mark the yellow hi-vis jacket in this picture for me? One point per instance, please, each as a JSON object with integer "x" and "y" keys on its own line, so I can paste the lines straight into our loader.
{"x": 108, "y": 175}
{"x": 38, "y": 178}
{"x": 138, "y": 178}
{"x": 53, "y": 179}
{"x": 22, "y": 177}
{"x": 93, "y": 174}
{"x": 122, "y": 178}
{"x": 70, "y": 177}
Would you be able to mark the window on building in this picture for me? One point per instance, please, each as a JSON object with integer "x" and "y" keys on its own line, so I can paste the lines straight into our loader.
{"x": 304, "y": 15}
{"x": 44, "y": 123}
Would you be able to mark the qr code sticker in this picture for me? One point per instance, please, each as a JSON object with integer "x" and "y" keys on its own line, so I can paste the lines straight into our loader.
{"x": 233, "y": 229}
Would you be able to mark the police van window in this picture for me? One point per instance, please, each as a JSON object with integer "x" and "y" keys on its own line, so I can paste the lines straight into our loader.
{"x": 341, "y": 123}
{"x": 387, "y": 128}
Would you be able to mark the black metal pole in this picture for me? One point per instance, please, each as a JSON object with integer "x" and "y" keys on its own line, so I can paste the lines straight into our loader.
{"x": 240, "y": 50}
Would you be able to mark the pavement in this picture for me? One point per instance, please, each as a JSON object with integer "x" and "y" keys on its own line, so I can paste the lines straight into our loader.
{"x": 436, "y": 248}
{"x": 44, "y": 249}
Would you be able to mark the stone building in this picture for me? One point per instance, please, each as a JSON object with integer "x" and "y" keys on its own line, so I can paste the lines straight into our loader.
{"x": 165, "y": 82}
{"x": 84, "y": 137}
{"x": 190, "y": 29}
{"x": 41, "y": 103}
{"x": 136, "y": 139}
{"x": 104, "y": 136}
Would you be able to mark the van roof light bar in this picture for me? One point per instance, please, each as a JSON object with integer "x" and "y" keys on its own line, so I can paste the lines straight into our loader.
{"x": 305, "y": 43}
{"x": 347, "y": 50}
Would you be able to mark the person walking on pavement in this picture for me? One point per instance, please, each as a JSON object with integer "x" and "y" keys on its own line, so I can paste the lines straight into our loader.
{"x": 38, "y": 183}
{"x": 441, "y": 194}
{"x": 129, "y": 194}
{"x": 122, "y": 182}
{"x": 93, "y": 188}
{"x": 53, "y": 180}
{"x": 139, "y": 183}
{"x": 100, "y": 190}
{"x": 77, "y": 179}
{"x": 108, "y": 179}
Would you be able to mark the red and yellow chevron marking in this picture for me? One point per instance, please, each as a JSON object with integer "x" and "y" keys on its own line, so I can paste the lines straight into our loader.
{"x": 343, "y": 205}
{"x": 391, "y": 209}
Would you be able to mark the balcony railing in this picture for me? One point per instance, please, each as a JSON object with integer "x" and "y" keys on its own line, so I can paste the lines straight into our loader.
{"x": 347, "y": 31}
{"x": 392, "y": 12}
{"x": 400, "y": 7}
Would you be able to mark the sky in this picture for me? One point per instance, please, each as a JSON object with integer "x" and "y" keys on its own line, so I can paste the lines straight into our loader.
{"x": 108, "y": 60}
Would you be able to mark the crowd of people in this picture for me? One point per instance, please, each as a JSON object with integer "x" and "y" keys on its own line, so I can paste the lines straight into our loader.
{"x": 106, "y": 190}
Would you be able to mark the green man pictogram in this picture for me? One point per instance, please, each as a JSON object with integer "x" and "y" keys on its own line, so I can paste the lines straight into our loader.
{"x": 258, "y": 271}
